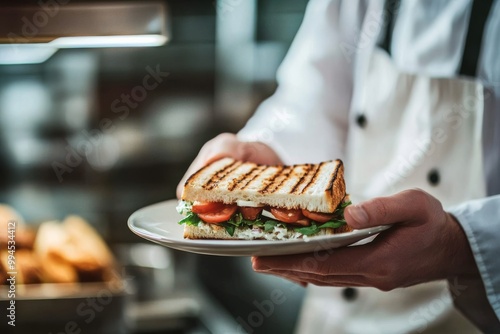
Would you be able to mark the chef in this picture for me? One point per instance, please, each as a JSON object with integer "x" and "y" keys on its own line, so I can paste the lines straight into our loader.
{"x": 407, "y": 93}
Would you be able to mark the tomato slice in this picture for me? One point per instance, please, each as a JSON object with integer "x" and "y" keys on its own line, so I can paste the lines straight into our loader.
{"x": 287, "y": 215}
{"x": 303, "y": 221}
{"x": 317, "y": 216}
{"x": 215, "y": 217}
{"x": 207, "y": 207}
{"x": 250, "y": 213}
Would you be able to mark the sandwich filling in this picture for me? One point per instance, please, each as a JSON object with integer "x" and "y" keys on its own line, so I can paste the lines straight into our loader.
{"x": 260, "y": 219}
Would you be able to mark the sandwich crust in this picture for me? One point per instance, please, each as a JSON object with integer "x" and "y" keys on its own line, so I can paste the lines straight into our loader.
{"x": 314, "y": 187}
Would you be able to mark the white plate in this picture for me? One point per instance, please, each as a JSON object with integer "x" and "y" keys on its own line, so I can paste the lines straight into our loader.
{"x": 159, "y": 223}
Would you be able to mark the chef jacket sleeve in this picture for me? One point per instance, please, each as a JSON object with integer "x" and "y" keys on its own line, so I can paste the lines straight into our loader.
{"x": 307, "y": 117}
{"x": 480, "y": 219}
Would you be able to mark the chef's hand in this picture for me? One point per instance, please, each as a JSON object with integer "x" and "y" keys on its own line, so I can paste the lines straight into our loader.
{"x": 228, "y": 145}
{"x": 425, "y": 243}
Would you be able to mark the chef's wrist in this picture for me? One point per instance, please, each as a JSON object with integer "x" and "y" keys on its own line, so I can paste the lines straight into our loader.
{"x": 461, "y": 259}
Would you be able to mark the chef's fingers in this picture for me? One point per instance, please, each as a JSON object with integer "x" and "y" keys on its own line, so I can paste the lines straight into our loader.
{"x": 293, "y": 279}
{"x": 381, "y": 283}
{"x": 290, "y": 278}
{"x": 406, "y": 206}
{"x": 331, "y": 280}
{"x": 340, "y": 261}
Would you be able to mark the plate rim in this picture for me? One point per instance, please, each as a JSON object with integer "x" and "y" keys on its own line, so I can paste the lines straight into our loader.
{"x": 187, "y": 244}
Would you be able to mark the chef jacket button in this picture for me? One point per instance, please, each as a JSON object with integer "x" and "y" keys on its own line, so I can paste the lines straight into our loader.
{"x": 361, "y": 120}
{"x": 350, "y": 294}
{"x": 433, "y": 177}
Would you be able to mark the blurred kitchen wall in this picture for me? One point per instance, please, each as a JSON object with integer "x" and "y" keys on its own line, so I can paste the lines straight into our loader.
{"x": 103, "y": 132}
{"x": 82, "y": 134}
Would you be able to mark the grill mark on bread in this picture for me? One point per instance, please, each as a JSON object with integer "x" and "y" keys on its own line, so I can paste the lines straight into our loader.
{"x": 313, "y": 178}
{"x": 194, "y": 176}
{"x": 306, "y": 179}
{"x": 270, "y": 180}
{"x": 301, "y": 178}
{"x": 237, "y": 181}
{"x": 334, "y": 177}
{"x": 220, "y": 175}
{"x": 255, "y": 175}
{"x": 285, "y": 173}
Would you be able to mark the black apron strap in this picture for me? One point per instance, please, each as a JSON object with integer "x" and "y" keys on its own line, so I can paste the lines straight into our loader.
{"x": 390, "y": 11}
{"x": 470, "y": 58}
{"x": 478, "y": 17}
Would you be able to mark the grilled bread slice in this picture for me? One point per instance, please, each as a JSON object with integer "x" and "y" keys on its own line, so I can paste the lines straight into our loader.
{"x": 314, "y": 187}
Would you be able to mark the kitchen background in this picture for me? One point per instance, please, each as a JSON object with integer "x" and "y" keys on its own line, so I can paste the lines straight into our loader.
{"x": 78, "y": 137}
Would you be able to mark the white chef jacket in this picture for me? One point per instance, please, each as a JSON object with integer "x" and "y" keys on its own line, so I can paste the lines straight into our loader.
{"x": 308, "y": 118}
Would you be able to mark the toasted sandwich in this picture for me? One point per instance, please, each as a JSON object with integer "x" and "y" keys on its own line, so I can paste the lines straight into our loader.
{"x": 230, "y": 199}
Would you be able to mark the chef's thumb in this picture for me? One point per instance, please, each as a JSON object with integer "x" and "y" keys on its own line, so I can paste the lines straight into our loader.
{"x": 402, "y": 207}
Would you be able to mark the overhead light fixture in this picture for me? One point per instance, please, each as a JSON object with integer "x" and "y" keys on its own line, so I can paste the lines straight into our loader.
{"x": 109, "y": 41}
{"x": 15, "y": 54}
{"x": 52, "y": 25}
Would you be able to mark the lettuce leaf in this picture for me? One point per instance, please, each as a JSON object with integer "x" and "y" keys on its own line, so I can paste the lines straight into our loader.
{"x": 333, "y": 224}
{"x": 315, "y": 228}
{"x": 238, "y": 221}
{"x": 190, "y": 219}
{"x": 308, "y": 230}
{"x": 229, "y": 228}
{"x": 269, "y": 225}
